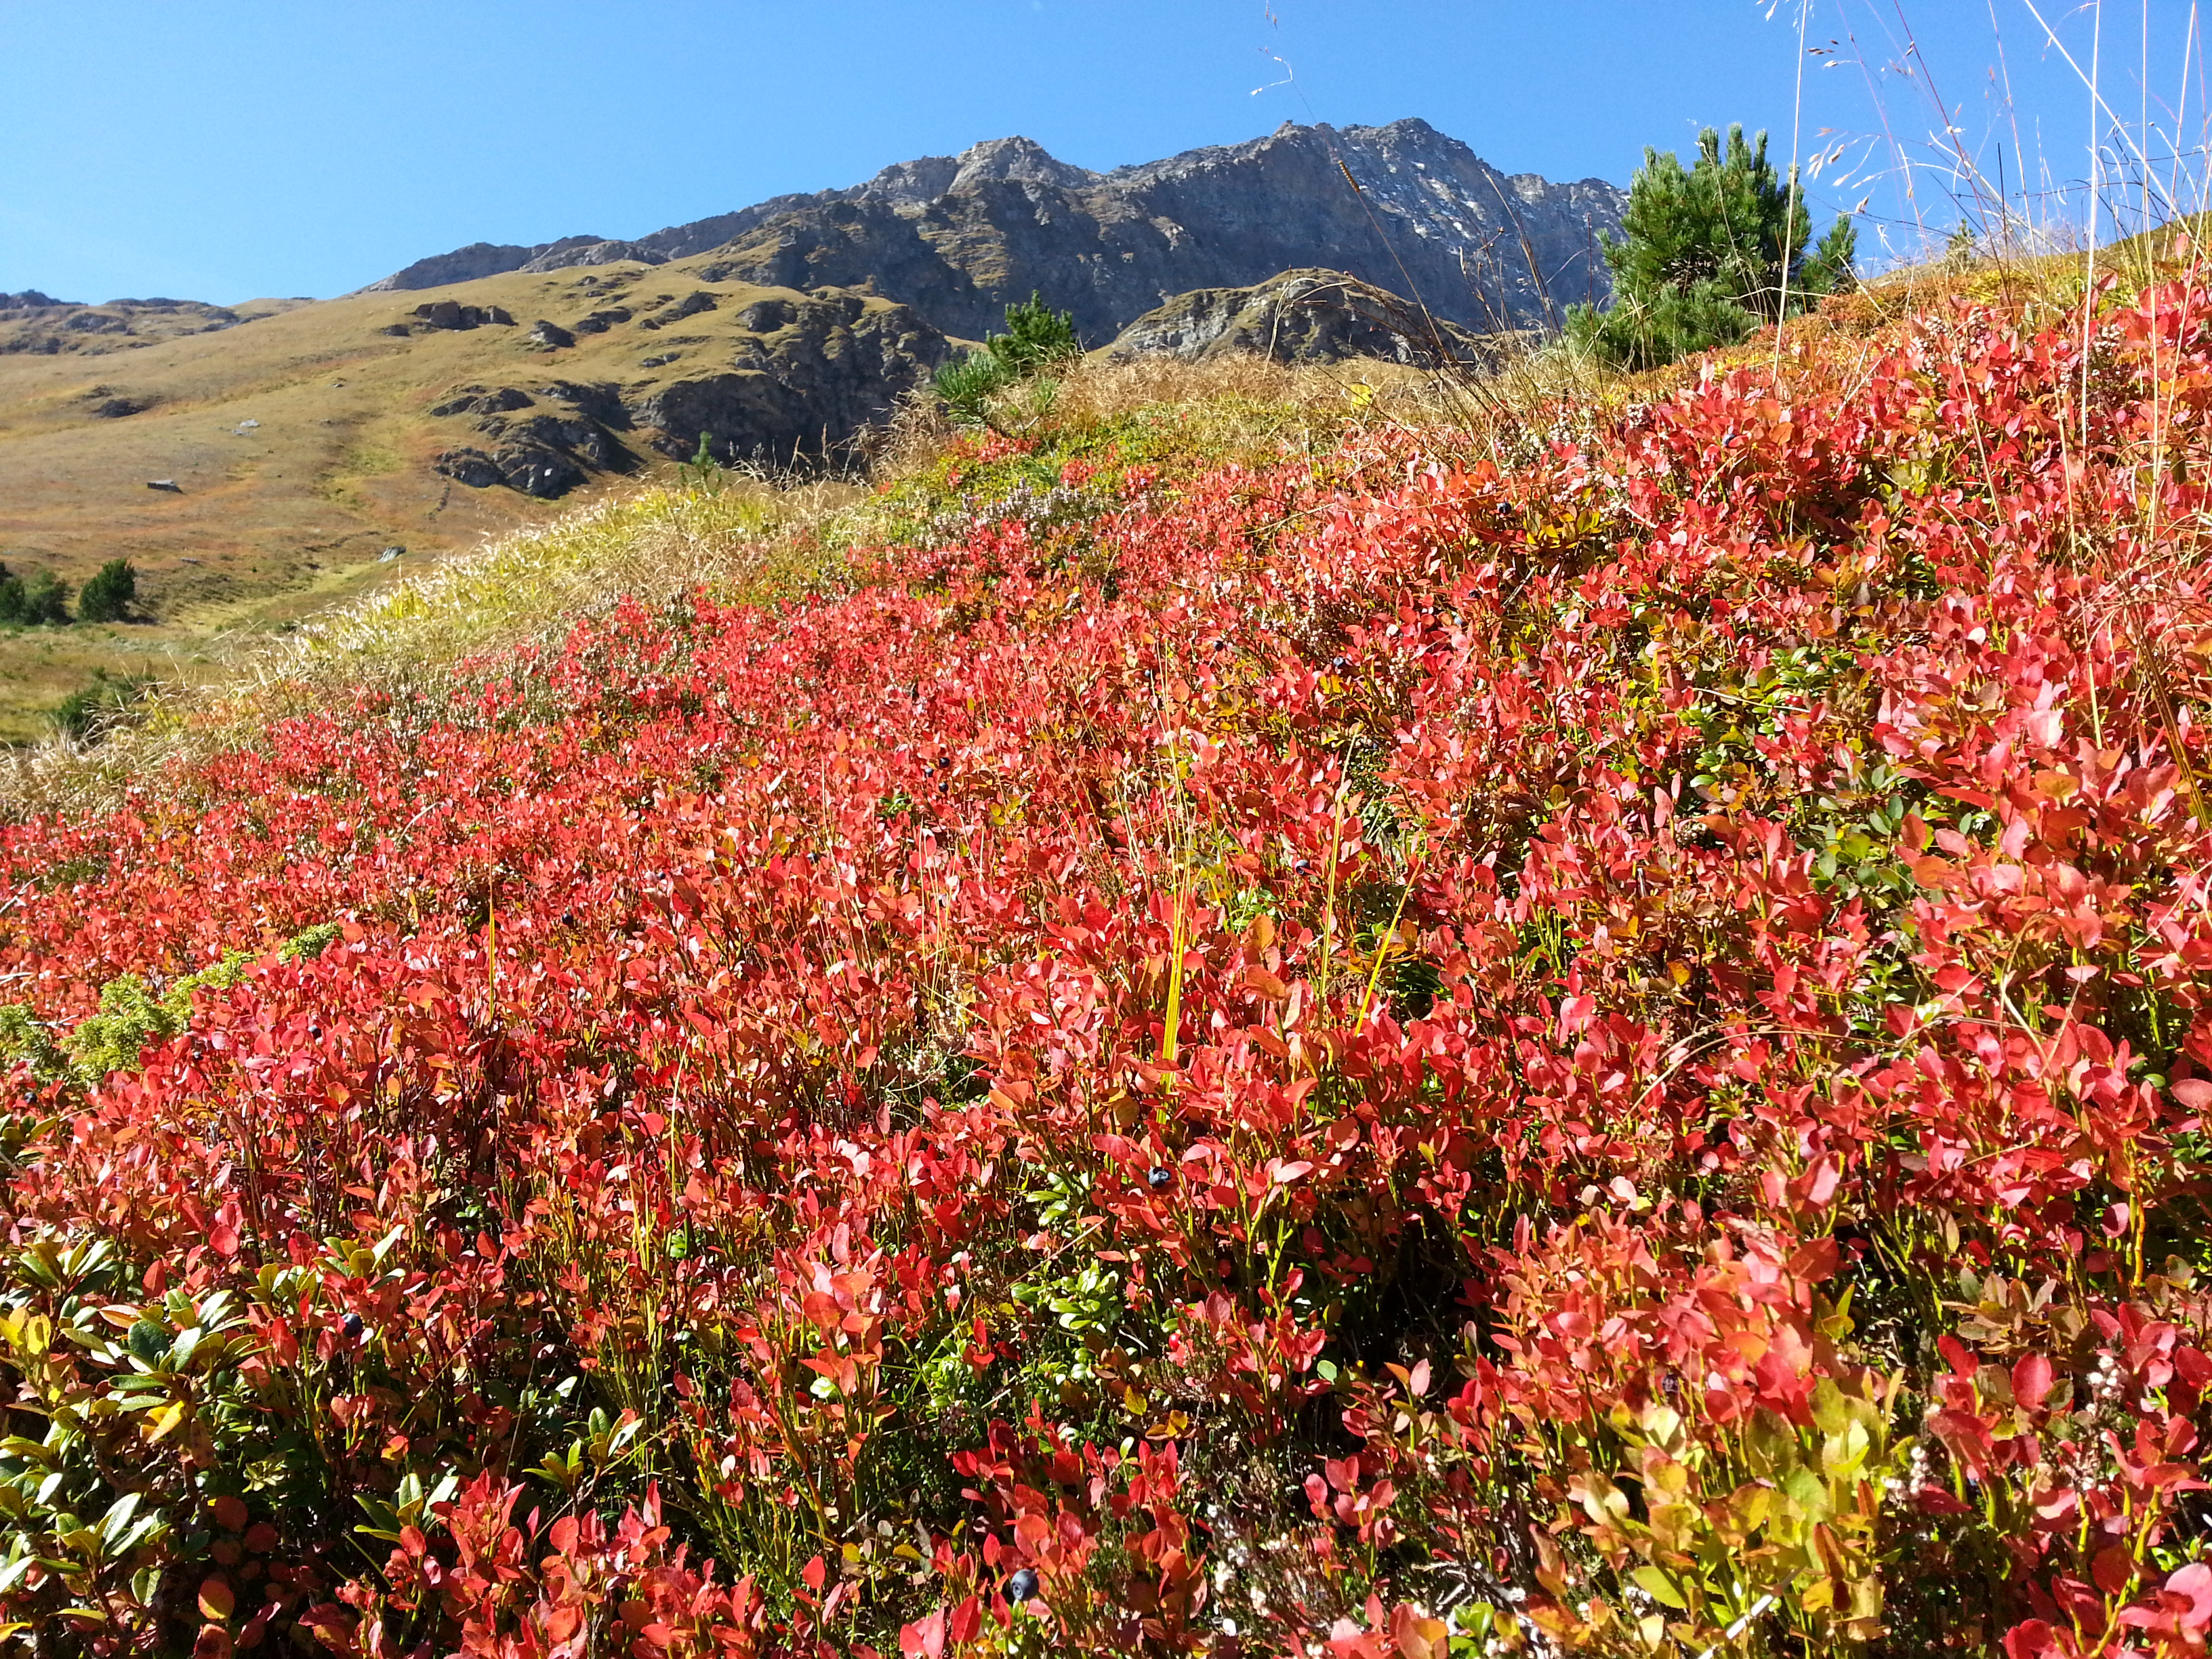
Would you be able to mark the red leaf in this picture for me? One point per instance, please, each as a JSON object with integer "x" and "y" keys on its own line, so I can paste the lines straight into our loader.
{"x": 924, "y": 1640}
{"x": 966, "y": 1618}
{"x": 2114, "y": 1570}
{"x": 2031, "y": 1381}
{"x": 1813, "y": 1261}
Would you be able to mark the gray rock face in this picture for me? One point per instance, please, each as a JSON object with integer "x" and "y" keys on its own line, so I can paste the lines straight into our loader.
{"x": 478, "y": 259}
{"x": 958, "y": 239}
{"x": 1300, "y": 316}
{"x": 594, "y": 253}
{"x": 801, "y": 387}
{"x": 448, "y": 313}
{"x": 808, "y": 373}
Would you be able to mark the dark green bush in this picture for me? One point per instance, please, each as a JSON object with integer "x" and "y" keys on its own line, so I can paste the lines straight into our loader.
{"x": 109, "y": 595}
{"x": 1036, "y": 338}
{"x": 1702, "y": 261}
{"x": 43, "y": 598}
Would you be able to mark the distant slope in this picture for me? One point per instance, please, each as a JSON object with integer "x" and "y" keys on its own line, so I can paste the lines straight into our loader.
{"x": 957, "y": 237}
{"x": 38, "y": 325}
{"x": 305, "y": 445}
{"x": 339, "y": 428}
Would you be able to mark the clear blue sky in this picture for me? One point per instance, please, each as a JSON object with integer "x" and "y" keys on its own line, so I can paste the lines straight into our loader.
{"x": 224, "y": 149}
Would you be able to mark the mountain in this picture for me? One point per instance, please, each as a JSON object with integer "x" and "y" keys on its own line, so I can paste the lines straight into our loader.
{"x": 957, "y": 237}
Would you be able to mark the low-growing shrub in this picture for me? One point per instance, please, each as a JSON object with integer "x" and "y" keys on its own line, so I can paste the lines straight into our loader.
{"x": 1364, "y": 1052}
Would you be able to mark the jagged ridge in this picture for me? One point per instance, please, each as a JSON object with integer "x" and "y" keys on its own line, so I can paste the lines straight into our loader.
{"x": 959, "y": 237}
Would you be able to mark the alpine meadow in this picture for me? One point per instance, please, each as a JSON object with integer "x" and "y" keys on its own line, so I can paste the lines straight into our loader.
{"x": 1351, "y": 976}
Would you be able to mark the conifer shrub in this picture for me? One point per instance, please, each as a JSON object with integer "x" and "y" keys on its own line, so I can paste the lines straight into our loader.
{"x": 109, "y": 595}
{"x": 1702, "y": 260}
{"x": 1036, "y": 339}
{"x": 42, "y": 597}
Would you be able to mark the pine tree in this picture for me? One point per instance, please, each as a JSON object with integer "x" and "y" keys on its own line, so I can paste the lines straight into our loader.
{"x": 107, "y": 596}
{"x": 1036, "y": 338}
{"x": 1701, "y": 263}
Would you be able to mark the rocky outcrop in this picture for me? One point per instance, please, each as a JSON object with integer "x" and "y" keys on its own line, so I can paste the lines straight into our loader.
{"x": 480, "y": 400}
{"x": 39, "y": 325}
{"x": 477, "y": 260}
{"x": 959, "y": 238}
{"x": 804, "y": 375}
{"x": 448, "y": 313}
{"x": 801, "y": 385}
{"x": 1299, "y": 317}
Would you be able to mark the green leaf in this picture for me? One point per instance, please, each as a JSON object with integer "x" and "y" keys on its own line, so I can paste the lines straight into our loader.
{"x": 1661, "y": 1587}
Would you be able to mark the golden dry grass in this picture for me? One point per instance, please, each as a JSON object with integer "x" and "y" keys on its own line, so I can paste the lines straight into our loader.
{"x": 288, "y": 517}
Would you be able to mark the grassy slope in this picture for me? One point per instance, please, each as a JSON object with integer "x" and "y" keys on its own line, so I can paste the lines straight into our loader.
{"x": 282, "y": 520}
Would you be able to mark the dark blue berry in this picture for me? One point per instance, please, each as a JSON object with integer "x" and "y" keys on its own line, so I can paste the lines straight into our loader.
{"x": 1159, "y": 1180}
{"x": 1021, "y": 1587}
{"x": 352, "y": 1328}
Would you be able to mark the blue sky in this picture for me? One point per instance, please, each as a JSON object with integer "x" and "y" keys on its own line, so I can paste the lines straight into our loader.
{"x": 223, "y": 150}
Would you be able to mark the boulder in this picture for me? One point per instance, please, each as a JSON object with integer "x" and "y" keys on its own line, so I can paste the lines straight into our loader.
{"x": 551, "y": 334}
{"x": 1300, "y": 317}
{"x": 475, "y": 400}
{"x": 536, "y": 470}
{"x": 471, "y": 467}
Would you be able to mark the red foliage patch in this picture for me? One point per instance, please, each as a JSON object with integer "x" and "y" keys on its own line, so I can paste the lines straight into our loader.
{"x": 1601, "y": 1055}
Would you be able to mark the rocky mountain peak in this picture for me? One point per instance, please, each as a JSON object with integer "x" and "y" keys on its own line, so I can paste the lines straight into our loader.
{"x": 1482, "y": 249}
{"x": 1019, "y": 159}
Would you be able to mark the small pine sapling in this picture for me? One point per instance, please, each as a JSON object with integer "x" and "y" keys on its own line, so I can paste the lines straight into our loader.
{"x": 1703, "y": 260}
{"x": 1036, "y": 339}
{"x": 110, "y": 593}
